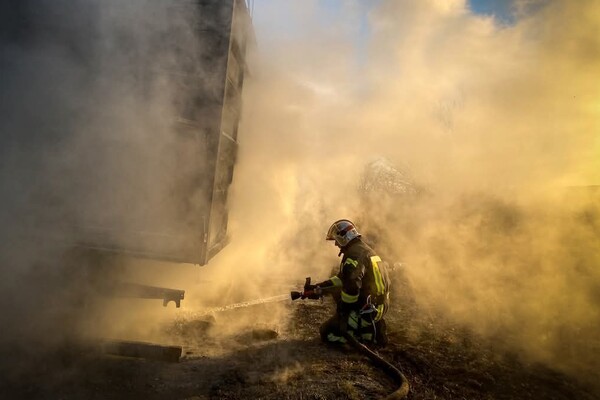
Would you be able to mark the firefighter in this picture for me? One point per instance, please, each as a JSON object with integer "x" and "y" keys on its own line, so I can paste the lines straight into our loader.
{"x": 364, "y": 289}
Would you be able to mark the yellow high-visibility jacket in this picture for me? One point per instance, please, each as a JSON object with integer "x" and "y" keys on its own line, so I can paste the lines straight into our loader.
{"x": 362, "y": 274}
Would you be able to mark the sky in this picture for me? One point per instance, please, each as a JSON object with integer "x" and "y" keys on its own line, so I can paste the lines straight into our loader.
{"x": 498, "y": 8}
{"x": 503, "y": 12}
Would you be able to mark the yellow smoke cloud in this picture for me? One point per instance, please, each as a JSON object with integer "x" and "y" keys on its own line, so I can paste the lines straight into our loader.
{"x": 494, "y": 119}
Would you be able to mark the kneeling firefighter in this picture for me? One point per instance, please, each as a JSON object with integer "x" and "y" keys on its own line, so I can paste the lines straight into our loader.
{"x": 364, "y": 285}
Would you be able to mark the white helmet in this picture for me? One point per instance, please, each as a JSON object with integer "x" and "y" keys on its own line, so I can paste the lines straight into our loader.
{"x": 342, "y": 231}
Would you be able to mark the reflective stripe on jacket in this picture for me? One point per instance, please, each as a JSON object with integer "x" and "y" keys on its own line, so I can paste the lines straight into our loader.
{"x": 362, "y": 274}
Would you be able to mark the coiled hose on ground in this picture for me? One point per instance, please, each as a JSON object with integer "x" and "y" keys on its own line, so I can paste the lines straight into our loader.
{"x": 389, "y": 369}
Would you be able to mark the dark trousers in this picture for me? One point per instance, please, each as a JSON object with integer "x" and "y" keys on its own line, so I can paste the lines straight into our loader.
{"x": 361, "y": 328}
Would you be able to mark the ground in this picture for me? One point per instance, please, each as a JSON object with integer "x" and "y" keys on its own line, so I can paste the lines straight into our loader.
{"x": 284, "y": 359}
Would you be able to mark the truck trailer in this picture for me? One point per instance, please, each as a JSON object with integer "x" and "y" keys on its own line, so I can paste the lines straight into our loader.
{"x": 119, "y": 127}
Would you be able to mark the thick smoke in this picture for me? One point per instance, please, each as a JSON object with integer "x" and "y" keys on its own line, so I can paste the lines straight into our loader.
{"x": 491, "y": 121}
{"x": 88, "y": 148}
{"x": 495, "y": 122}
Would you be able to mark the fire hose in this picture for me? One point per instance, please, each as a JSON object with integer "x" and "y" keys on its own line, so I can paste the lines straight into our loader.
{"x": 310, "y": 292}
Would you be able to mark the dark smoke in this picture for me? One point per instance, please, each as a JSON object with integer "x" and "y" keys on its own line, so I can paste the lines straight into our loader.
{"x": 88, "y": 148}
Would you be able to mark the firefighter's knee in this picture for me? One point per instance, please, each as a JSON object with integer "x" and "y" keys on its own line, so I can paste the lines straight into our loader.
{"x": 330, "y": 331}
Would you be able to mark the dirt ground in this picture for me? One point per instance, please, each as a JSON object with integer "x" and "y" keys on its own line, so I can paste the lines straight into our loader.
{"x": 284, "y": 359}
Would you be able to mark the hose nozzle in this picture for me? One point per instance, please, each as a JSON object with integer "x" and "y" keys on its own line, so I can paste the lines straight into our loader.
{"x": 295, "y": 295}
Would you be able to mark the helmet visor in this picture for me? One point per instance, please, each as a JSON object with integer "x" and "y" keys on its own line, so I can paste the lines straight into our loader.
{"x": 331, "y": 233}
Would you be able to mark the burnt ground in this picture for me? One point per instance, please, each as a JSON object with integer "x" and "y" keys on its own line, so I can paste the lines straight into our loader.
{"x": 441, "y": 361}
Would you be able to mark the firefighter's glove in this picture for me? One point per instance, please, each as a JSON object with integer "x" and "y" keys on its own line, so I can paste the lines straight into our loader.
{"x": 311, "y": 292}
{"x": 318, "y": 288}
